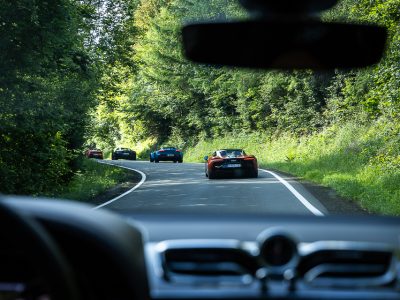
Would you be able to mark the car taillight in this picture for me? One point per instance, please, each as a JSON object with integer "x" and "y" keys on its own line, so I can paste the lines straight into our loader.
{"x": 217, "y": 159}
{"x": 161, "y": 150}
{"x": 178, "y": 150}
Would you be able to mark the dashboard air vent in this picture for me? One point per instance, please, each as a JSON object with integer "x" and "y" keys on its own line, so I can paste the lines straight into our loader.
{"x": 347, "y": 268}
{"x": 209, "y": 262}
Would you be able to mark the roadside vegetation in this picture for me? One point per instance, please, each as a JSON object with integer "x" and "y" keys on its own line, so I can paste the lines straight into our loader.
{"x": 54, "y": 56}
{"x": 92, "y": 180}
{"x": 111, "y": 73}
{"x": 359, "y": 161}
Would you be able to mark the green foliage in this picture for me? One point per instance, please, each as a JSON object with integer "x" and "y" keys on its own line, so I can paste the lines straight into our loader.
{"x": 166, "y": 97}
{"x": 46, "y": 88}
{"x": 91, "y": 180}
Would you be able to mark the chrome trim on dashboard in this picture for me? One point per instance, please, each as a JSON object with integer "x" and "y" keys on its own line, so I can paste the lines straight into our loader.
{"x": 311, "y": 278}
{"x": 158, "y": 249}
{"x": 198, "y": 243}
{"x": 308, "y": 248}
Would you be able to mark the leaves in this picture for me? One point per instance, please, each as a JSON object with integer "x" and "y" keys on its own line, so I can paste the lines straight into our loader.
{"x": 170, "y": 96}
{"x": 47, "y": 84}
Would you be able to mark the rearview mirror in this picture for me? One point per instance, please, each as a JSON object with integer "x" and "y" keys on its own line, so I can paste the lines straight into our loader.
{"x": 287, "y": 6}
{"x": 267, "y": 44}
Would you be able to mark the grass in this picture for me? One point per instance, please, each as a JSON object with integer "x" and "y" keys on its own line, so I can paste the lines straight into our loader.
{"x": 93, "y": 179}
{"x": 361, "y": 162}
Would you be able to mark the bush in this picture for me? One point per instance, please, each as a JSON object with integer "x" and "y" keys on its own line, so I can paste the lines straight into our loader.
{"x": 93, "y": 179}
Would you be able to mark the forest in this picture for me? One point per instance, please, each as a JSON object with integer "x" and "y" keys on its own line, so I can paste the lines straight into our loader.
{"x": 80, "y": 73}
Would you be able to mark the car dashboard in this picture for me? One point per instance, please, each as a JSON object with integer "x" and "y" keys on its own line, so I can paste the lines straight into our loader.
{"x": 272, "y": 257}
{"x": 152, "y": 255}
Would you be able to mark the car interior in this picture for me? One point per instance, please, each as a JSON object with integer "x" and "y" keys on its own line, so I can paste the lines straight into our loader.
{"x": 58, "y": 249}
{"x": 71, "y": 251}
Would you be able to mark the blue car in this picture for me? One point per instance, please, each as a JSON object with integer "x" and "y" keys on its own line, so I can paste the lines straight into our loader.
{"x": 167, "y": 154}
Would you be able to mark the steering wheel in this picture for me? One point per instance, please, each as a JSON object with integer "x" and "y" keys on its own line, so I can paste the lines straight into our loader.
{"x": 30, "y": 251}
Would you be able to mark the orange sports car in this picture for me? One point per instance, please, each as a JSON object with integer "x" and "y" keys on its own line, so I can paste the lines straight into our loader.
{"x": 231, "y": 162}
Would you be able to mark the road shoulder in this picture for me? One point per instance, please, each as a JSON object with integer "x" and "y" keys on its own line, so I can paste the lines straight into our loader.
{"x": 131, "y": 181}
{"x": 334, "y": 203}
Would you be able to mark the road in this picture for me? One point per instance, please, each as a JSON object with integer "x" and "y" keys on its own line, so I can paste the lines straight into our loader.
{"x": 172, "y": 187}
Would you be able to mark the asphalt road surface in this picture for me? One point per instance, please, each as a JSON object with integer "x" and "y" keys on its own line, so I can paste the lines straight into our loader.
{"x": 176, "y": 187}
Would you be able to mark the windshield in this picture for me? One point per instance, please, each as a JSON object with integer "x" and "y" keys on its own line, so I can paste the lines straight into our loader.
{"x": 231, "y": 153}
{"x": 79, "y": 75}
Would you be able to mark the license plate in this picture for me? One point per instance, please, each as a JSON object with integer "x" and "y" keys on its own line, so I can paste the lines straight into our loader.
{"x": 126, "y": 154}
{"x": 233, "y": 166}
{"x": 170, "y": 155}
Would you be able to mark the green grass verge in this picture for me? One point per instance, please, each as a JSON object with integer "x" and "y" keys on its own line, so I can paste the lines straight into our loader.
{"x": 361, "y": 162}
{"x": 93, "y": 179}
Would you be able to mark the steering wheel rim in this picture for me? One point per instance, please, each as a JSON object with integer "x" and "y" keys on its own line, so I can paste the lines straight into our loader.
{"x": 23, "y": 234}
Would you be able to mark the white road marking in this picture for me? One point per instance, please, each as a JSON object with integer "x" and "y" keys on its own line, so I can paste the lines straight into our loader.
{"x": 300, "y": 197}
{"x": 128, "y": 192}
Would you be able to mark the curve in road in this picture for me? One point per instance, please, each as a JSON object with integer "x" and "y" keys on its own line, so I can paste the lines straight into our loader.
{"x": 176, "y": 187}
